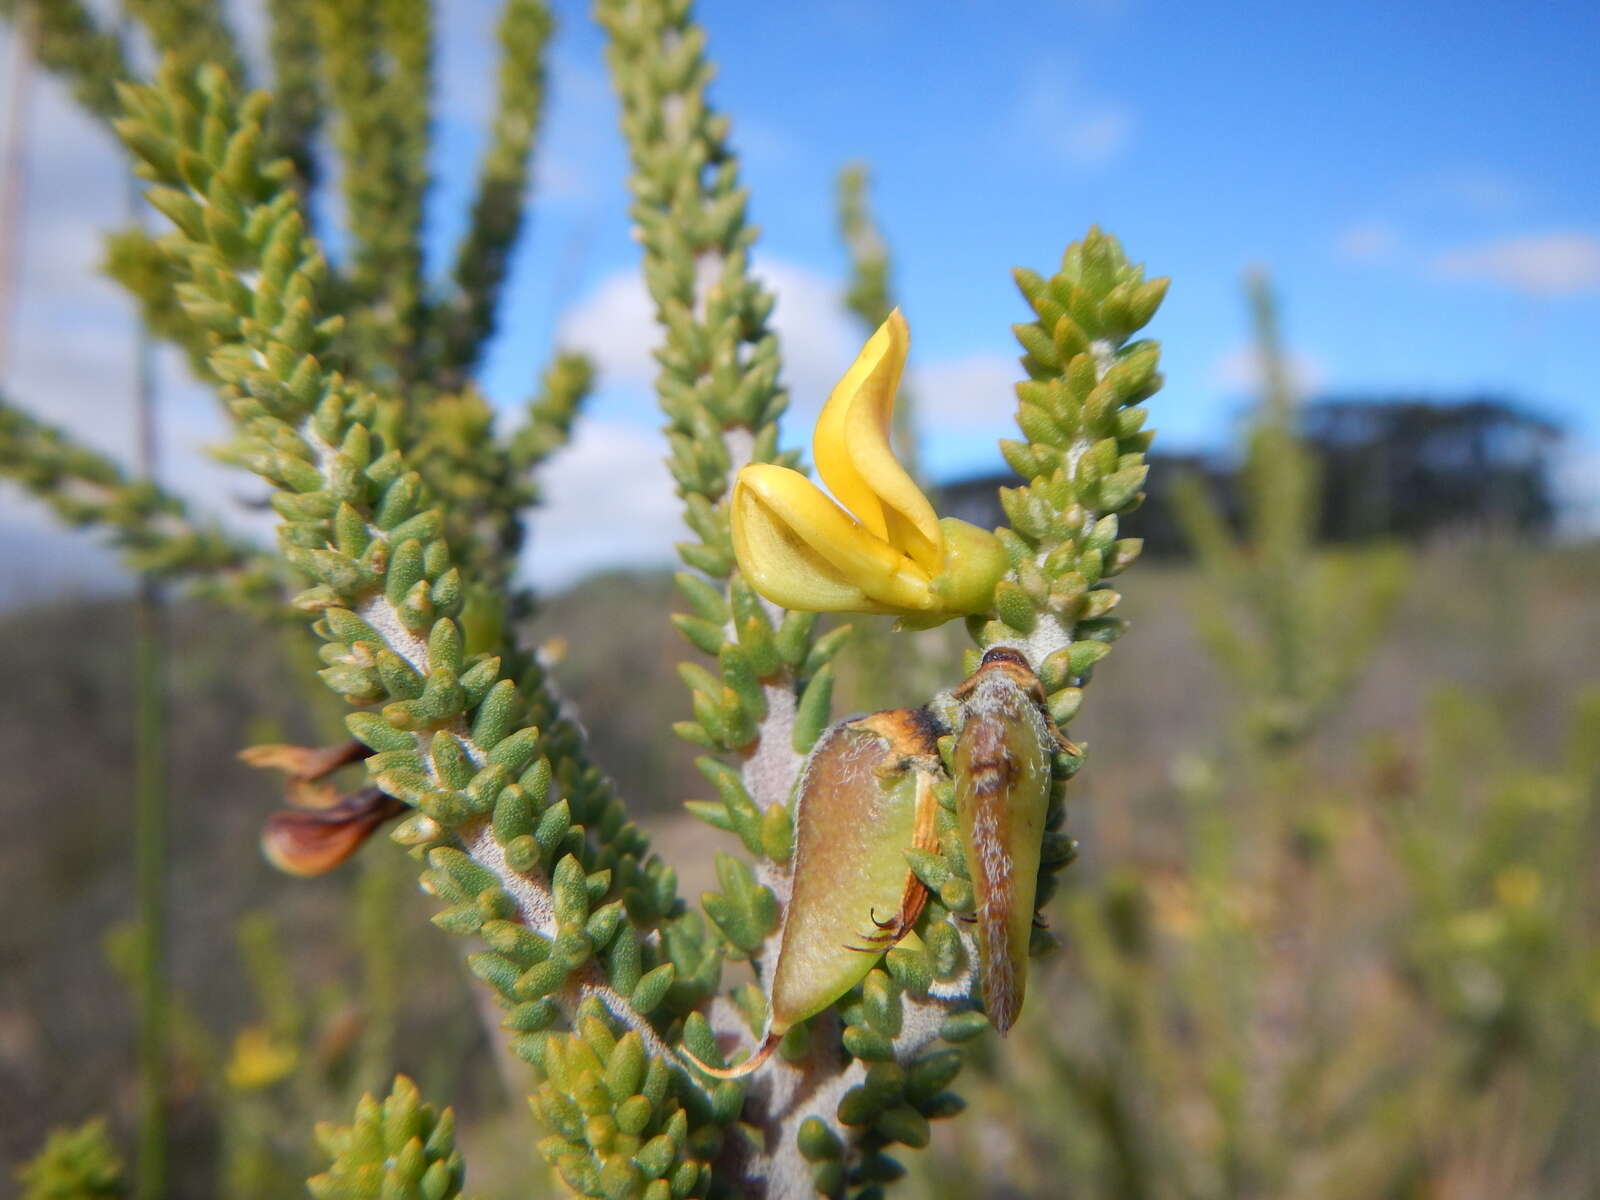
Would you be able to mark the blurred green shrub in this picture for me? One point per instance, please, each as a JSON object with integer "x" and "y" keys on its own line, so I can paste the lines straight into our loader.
{"x": 75, "y": 1164}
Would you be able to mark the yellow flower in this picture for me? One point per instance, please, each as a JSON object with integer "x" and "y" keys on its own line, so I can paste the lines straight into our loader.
{"x": 259, "y": 1060}
{"x": 890, "y": 553}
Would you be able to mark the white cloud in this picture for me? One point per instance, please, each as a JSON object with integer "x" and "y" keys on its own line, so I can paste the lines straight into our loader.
{"x": 761, "y": 141}
{"x": 615, "y": 325}
{"x": 1560, "y": 263}
{"x": 1476, "y": 190}
{"x": 610, "y": 498}
{"x": 609, "y": 501}
{"x": 1369, "y": 242}
{"x": 1240, "y": 371}
{"x": 968, "y": 398}
{"x": 560, "y": 179}
{"x": 1098, "y": 136}
{"x": 819, "y": 338}
{"x": 466, "y": 62}
{"x": 972, "y": 395}
{"x": 1057, "y": 113}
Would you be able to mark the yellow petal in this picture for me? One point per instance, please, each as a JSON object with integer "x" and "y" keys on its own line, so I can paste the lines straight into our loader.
{"x": 799, "y": 550}
{"x": 855, "y": 458}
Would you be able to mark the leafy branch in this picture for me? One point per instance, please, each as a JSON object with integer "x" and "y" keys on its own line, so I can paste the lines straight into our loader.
{"x": 400, "y": 508}
{"x": 151, "y": 526}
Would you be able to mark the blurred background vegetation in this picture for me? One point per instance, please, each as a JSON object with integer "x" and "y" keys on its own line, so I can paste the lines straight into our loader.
{"x": 1365, "y": 963}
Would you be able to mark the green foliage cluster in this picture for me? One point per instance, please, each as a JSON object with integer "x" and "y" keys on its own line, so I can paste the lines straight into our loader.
{"x": 398, "y": 1148}
{"x": 1083, "y": 460}
{"x": 400, "y": 508}
{"x": 1495, "y": 854}
{"x": 768, "y": 699}
{"x": 75, "y": 1164}
{"x": 1228, "y": 1025}
{"x": 152, "y": 527}
{"x": 453, "y": 737}
{"x": 414, "y": 341}
{"x": 1266, "y": 622}
{"x": 619, "y": 1129}
{"x": 870, "y": 294}
{"x": 718, "y": 383}
{"x": 1357, "y": 974}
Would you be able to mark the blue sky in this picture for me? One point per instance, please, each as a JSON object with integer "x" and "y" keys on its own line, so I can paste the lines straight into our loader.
{"x": 1422, "y": 181}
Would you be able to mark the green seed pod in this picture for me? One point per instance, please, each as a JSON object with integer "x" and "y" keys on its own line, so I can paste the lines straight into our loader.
{"x": 866, "y": 796}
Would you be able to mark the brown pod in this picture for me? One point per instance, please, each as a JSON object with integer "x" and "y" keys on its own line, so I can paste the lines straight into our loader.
{"x": 315, "y": 841}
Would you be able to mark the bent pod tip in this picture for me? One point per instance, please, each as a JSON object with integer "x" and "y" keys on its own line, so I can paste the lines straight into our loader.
{"x": 738, "y": 1070}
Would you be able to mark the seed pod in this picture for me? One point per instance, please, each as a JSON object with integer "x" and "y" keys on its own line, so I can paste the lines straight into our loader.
{"x": 866, "y": 796}
{"x": 315, "y": 841}
{"x": 1002, "y": 780}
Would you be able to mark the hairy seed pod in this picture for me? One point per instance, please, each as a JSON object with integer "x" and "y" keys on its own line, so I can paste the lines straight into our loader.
{"x": 1002, "y": 779}
{"x": 866, "y": 796}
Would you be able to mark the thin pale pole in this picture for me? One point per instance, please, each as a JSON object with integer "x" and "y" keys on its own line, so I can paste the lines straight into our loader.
{"x": 13, "y": 185}
{"x": 150, "y": 807}
{"x": 150, "y": 792}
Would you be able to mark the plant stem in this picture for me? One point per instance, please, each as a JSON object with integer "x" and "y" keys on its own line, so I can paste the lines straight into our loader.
{"x": 150, "y": 809}
{"x": 150, "y": 802}
{"x": 13, "y": 182}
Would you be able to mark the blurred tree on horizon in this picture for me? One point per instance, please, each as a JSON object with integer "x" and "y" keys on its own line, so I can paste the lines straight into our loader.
{"x": 1411, "y": 468}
